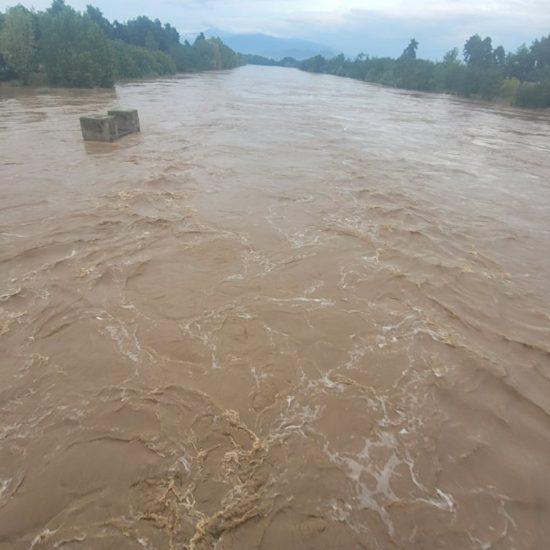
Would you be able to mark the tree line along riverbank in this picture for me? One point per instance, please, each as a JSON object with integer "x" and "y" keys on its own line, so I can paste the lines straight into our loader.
{"x": 64, "y": 47}
{"x": 520, "y": 78}
{"x": 61, "y": 46}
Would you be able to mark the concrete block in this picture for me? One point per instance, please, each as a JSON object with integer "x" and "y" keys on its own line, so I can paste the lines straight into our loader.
{"x": 108, "y": 128}
{"x": 127, "y": 121}
{"x": 99, "y": 128}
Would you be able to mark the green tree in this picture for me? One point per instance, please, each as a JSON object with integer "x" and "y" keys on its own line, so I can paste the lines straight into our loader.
{"x": 451, "y": 56}
{"x": 499, "y": 57}
{"x": 410, "y": 51}
{"x": 18, "y": 42}
{"x": 74, "y": 50}
{"x": 540, "y": 51}
{"x": 57, "y": 7}
{"x": 182, "y": 55}
{"x": 478, "y": 52}
{"x": 207, "y": 55}
{"x": 521, "y": 64}
{"x": 96, "y": 15}
{"x": 150, "y": 42}
{"x": 229, "y": 59}
{"x": 534, "y": 95}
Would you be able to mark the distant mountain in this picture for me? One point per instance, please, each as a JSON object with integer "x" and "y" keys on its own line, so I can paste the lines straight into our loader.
{"x": 271, "y": 46}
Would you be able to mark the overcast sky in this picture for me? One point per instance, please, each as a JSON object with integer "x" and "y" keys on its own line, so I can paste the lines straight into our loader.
{"x": 376, "y": 27}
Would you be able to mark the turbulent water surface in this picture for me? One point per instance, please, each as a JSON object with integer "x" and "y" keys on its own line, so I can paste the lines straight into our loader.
{"x": 295, "y": 312}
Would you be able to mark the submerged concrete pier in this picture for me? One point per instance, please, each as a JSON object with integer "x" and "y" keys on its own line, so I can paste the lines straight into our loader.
{"x": 127, "y": 121}
{"x": 110, "y": 127}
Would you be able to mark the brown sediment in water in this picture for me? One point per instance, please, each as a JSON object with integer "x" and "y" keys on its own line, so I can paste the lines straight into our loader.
{"x": 296, "y": 311}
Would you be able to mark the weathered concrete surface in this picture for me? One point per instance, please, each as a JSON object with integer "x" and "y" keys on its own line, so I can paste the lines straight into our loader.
{"x": 99, "y": 128}
{"x": 127, "y": 121}
{"x": 108, "y": 128}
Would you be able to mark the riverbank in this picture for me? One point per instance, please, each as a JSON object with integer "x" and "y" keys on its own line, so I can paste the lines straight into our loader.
{"x": 506, "y": 100}
{"x": 41, "y": 86}
{"x": 455, "y": 79}
{"x": 521, "y": 78}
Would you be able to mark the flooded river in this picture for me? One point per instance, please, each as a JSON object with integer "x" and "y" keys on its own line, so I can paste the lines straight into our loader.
{"x": 296, "y": 312}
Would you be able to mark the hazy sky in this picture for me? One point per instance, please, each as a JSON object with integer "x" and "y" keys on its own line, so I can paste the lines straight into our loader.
{"x": 378, "y": 27}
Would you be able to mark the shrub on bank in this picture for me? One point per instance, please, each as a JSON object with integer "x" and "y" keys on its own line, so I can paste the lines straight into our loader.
{"x": 534, "y": 95}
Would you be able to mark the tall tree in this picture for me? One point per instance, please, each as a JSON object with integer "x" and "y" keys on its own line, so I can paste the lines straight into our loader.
{"x": 520, "y": 65}
{"x": 499, "y": 57}
{"x": 478, "y": 52}
{"x": 541, "y": 52}
{"x": 451, "y": 57}
{"x": 410, "y": 51}
{"x": 18, "y": 42}
{"x": 74, "y": 50}
{"x": 96, "y": 15}
{"x": 57, "y": 7}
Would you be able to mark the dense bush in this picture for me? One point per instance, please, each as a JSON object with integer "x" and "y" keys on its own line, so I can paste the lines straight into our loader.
{"x": 534, "y": 95}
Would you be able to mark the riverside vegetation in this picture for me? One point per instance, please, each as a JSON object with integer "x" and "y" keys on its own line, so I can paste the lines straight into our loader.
{"x": 63, "y": 47}
{"x": 521, "y": 78}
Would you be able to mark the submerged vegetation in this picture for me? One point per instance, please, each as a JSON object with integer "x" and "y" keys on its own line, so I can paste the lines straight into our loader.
{"x": 63, "y": 47}
{"x": 521, "y": 78}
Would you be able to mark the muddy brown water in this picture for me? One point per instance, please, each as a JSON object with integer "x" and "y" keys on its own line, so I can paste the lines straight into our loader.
{"x": 296, "y": 312}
